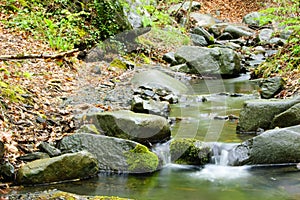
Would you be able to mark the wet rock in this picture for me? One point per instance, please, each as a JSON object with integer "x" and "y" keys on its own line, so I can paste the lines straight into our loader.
{"x": 290, "y": 117}
{"x": 204, "y": 33}
{"x": 238, "y": 31}
{"x": 33, "y": 156}
{"x": 49, "y": 149}
{"x": 198, "y": 40}
{"x": 221, "y": 117}
{"x": 61, "y": 168}
{"x": 209, "y": 61}
{"x": 259, "y": 113}
{"x": 113, "y": 154}
{"x": 88, "y": 128}
{"x": 143, "y": 128}
{"x": 189, "y": 151}
{"x": 270, "y": 87}
{"x": 252, "y": 19}
{"x": 161, "y": 108}
{"x": 203, "y": 20}
{"x": 7, "y": 171}
{"x": 275, "y": 146}
{"x": 265, "y": 35}
{"x": 170, "y": 58}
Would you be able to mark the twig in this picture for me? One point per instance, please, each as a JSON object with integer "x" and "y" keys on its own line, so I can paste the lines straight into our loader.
{"x": 34, "y": 56}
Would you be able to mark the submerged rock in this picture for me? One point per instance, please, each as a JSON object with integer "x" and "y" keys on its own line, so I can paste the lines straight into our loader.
{"x": 258, "y": 114}
{"x": 113, "y": 154}
{"x": 189, "y": 151}
{"x": 61, "y": 168}
{"x": 275, "y": 146}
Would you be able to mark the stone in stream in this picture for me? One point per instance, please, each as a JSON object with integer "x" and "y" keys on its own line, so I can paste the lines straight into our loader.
{"x": 275, "y": 146}
{"x": 258, "y": 114}
{"x": 189, "y": 151}
{"x": 290, "y": 117}
{"x": 113, "y": 154}
{"x": 143, "y": 128}
{"x": 61, "y": 168}
{"x": 270, "y": 87}
{"x": 209, "y": 61}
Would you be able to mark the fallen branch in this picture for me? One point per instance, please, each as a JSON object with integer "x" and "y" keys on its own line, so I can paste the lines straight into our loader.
{"x": 34, "y": 56}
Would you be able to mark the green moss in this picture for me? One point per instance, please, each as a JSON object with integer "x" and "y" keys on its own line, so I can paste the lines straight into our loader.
{"x": 118, "y": 64}
{"x": 189, "y": 151}
{"x": 141, "y": 160}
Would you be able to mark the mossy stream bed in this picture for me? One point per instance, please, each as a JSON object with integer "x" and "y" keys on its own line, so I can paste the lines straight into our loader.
{"x": 202, "y": 114}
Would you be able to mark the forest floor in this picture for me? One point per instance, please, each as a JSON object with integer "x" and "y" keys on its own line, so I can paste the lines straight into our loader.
{"x": 33, "y": 90}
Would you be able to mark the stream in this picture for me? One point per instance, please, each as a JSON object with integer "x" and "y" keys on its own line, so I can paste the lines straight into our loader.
{"x": 203, "y": 121}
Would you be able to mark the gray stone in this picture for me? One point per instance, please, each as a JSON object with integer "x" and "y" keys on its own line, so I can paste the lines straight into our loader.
{"x": 259, "y": 113}
{"x": 204, "y": 33}
{"x": 143, "y": 128}
{"x": 238, "y": 31}
{"x": 265, "y": 35}
{"x": 185, "y": 6}
{"x": 113, "y": 154}
{"x": 182, "y": 68}
{"x": 270, "y": 87}
{"x": 49, "y": 149}
{"x": 170, "y": 58}
{"x": 209, "y": 61}
{"x": 290, "y": 117}
{"x": 275, "y": 146}
{"x": 217, "y": 29}
{"x": 189, "y": 151}
{"x": 161, "y": 108}
{"x": 198, "y": 40}
{"x": 61, "y": 168}
{"x": 88, "y": 128}
{"x": 203, "y": 20}
{"x": 252, "y": 19}
{"x": 33, "y": 156}
{"x": 277, "y": 41}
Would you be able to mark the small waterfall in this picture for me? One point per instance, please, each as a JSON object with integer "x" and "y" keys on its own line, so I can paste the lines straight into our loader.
{"x": 220, "y": 153}
{"x": 163, "y": 152}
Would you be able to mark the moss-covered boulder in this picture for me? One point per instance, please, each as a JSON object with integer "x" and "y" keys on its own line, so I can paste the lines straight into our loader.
{"x": 189, "y": 151}
{"x": 113, "y": 154}
{"x": 141, "y": 160}
{"x": 143, "y": 128}
{"x": 61, "y": 168}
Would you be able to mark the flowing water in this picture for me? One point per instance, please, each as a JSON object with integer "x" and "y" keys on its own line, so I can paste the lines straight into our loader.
{"x": 216, "y": 181}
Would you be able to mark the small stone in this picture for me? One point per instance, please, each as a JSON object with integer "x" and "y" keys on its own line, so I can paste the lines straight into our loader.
{"x": 49, "y": 149}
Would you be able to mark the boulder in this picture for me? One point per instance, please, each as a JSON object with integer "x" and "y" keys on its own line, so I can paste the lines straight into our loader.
{"x": 209, "y": 61}
{"x": 113, "y": 154}
{"x": 270, "y": 87}
{"x": 252, "y": 19}
{"x": 143, "y": 128}
{"x": 265, "y": 35}
{"x": 290, "y": 117}
{"x": 189, "y": 151}
{"x": 238, "y": 31}
{"x": 275, "y": 146}
{"x": 258, "y": 114}
{"x": 61, "y": 168}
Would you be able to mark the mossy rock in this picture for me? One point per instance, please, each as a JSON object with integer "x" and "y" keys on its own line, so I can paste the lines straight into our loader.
{"x": 189, "y": 151}
{"x": 141, "y": 160}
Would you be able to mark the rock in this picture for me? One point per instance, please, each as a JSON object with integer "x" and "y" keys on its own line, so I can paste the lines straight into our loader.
{"x": 7, "y": 172}
{"x": 33, "y": 156}
{"x": 209, "y": 61}
{"x": 265, "y": 35}
{"x": 252, "y": 19}
{"x": 290, "y": 117}
{"x": 204, "y": 33}
{"x": 238, "y": 31}
{"x": 182, "y": 68}
{"x": 277, "y": 41}
{"x": 143, "y": 128}
{"x": 113, "y": 154}
{"x": 49, "y": 149}
{"x": 189, "y": 151}
{"x": 225, "y": 36}
{"x": 275, "y": 146}
{"x": 159, "y": 80}
{"x": 161, "y": 108}
{"x": 217, "y": 29}
{"x": 170, "y": 58}
{"x": 203, "y": 20}
{"x": 285, "y": 34}
{"x": 94, "y": 55}
{"x": 61, "y": 168}
{"x": 198, "y": 40}
{"x": 259, "y": 113}
{"x": 88, "y": 128}
{"x": 270, "y": 87}
{"x": 185, "y": 6}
